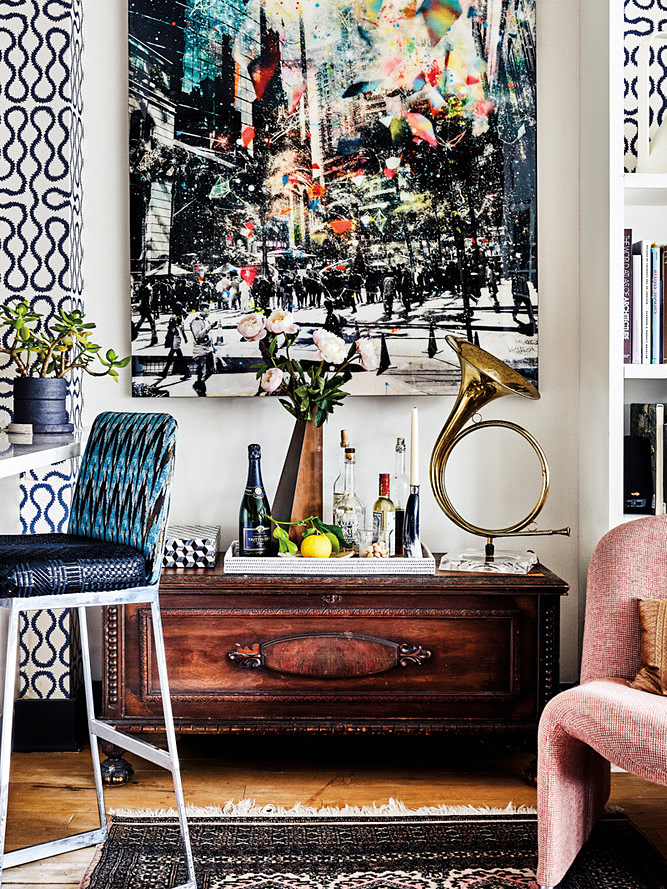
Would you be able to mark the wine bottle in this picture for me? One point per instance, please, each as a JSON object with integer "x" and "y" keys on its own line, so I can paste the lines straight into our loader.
{"x": 400, "y": 488}
{"x": 339, "y": 484}
{"x": 384, "y": 515}
{"x": 254, "y": 527}
{"x": 350, "y": 512}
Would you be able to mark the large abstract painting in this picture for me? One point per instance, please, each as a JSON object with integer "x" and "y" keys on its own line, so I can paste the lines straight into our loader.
{"x": 367, "y": 166}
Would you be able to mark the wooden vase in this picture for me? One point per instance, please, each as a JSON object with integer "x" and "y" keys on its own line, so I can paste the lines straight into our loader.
{"x": 299, "y": 492}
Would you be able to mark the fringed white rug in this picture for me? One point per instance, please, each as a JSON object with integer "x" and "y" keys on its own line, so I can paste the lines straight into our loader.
{"x": 248, "y": 807}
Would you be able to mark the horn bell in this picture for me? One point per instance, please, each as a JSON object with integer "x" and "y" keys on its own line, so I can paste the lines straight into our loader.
{"x": 483, "y": 379}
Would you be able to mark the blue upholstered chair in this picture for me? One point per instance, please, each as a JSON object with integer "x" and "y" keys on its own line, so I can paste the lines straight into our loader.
{"x": 112, "y": 554}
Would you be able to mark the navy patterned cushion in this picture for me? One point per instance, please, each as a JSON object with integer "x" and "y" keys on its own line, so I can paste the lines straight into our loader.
{"x": 55, "y": 564}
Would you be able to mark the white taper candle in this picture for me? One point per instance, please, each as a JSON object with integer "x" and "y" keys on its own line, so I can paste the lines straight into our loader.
{"x": 414, "y": 448}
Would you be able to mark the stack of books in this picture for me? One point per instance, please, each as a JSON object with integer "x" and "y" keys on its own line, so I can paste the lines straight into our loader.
{"x": 644, "y": 330}
{"x": 644, "y": 479}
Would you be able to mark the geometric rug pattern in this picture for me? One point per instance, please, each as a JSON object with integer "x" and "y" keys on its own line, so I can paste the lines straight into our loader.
{"x": 365, "y": 852}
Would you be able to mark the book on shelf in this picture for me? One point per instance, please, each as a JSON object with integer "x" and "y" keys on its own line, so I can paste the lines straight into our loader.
{"x": 627, "y": 296}
{"x": 636, "y": 309}
{"x": 644, "y": 458}
{"x": 656, "y": 304}
{"x": 644, "y": 275}
{"x": 664, "y": 326}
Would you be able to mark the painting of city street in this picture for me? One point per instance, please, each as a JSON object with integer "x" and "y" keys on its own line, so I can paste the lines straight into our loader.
{"x": 367, "y": 167}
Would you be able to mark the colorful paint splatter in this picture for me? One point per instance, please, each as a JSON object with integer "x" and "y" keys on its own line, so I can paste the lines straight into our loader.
{"x": 368, "y": 166}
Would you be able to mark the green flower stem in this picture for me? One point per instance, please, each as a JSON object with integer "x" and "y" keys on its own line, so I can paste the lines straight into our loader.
{"x": 310, "y": 519}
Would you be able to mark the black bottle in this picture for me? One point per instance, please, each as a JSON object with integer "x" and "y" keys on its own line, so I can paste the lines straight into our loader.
{"x": 254, "y": 527}
{"x": 411, "y": 543}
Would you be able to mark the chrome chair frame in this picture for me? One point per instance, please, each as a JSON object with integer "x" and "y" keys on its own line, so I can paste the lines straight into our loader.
{"x": 165, "y": 759}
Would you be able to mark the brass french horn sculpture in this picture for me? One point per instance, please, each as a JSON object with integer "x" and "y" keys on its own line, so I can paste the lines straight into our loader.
{"x": 483, "y": 379}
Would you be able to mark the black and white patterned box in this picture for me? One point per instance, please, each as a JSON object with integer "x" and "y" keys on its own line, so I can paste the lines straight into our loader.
{"x": 191, "y": 546}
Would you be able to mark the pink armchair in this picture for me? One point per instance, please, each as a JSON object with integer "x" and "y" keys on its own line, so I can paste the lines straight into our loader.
{"x": 603, "y": 720}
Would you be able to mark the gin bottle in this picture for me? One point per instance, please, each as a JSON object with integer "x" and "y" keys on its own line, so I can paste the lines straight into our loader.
{"x": 350, "y": 512}
{"x": 339, "y": 484}
{"x": 400, "y": 488}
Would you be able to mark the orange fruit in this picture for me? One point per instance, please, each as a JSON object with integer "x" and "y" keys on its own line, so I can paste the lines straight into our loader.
{"x": 316, "y": 546}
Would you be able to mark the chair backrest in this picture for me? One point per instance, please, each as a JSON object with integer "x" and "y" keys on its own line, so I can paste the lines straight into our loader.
{"x": 124, "y": 484}
{"x": 629, "y": 563}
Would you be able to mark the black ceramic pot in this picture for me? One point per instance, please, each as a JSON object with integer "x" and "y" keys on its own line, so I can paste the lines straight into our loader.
{"x": 41, "y": 402}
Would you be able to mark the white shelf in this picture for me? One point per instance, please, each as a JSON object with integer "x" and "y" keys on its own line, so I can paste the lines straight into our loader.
{"x": 623, "y": 517}
{"x": 632, "y": 181}
{"x": 645, "y": 371}
{"x": 44, "y": 451}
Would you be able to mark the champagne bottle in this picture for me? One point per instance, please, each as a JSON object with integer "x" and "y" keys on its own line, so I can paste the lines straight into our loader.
{"x": 350, "y": 512}
{"x": 339, "y": 484}
{"x": 384, "y": 515}
{"x": 254, "y": 527}
{"x": 400, "y": 488}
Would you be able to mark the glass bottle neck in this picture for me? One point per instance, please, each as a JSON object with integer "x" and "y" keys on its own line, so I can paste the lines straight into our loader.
{"x": 400, "y": 463}
{"x": 348, "y": 484}
{"x": 254, "y": 475}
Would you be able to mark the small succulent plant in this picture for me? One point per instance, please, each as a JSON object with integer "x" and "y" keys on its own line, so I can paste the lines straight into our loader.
{"x": 53, "y": 348}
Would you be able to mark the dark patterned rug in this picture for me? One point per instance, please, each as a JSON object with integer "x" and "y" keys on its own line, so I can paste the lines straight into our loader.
{"x": 365, "y": 852}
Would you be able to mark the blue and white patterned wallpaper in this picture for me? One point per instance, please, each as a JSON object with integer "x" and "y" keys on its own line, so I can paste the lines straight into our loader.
{"x": 40, "y": 260}
{"x": 643, "y": 17}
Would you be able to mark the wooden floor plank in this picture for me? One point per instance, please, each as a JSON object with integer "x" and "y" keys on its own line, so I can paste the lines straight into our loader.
{"x": 62, "y": 871}
{"x": 53, "y": 794}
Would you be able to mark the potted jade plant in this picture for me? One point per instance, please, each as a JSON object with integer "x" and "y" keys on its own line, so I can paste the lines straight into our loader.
{"x": 43, "y": 353}
{"x": 309, "y": 391}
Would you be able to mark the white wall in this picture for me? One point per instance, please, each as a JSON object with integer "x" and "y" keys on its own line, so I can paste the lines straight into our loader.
{"x": 211, "y": 458}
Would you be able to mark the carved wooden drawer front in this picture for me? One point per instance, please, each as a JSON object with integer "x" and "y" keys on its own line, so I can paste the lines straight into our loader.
{"x": 401, "y": 653}
{"x": 251, "y": 660}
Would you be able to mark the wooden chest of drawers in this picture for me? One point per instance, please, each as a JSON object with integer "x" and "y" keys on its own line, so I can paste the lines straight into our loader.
{"x": 451, "y": 652}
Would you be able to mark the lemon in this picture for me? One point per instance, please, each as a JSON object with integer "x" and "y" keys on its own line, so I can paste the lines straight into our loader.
{"x": 316, "y": 546}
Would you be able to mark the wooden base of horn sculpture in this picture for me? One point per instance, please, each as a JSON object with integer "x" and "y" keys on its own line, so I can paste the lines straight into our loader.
{"x": 299, "y": 492}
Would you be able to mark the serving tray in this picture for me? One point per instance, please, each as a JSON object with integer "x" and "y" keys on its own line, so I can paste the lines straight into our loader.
{"x": 236, "y": 564}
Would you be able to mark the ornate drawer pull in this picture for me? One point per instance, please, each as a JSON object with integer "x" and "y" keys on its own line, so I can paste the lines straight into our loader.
{"x": 331, "y": 598}
{"x": 329, "y": 655}
{"x": 412, "y": 654}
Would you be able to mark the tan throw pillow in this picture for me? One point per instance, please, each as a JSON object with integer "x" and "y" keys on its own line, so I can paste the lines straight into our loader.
{"x": 653, "y": 621}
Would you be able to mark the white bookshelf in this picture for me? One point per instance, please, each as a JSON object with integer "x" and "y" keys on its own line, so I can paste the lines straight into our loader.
{"x": 611, "y": 201}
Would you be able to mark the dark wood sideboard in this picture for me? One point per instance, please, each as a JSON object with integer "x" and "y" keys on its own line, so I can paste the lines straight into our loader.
{"x": 451, "y": 652}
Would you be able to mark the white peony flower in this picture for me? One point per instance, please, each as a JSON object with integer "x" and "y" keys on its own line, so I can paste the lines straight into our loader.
{"x": 280, "y": 321}
{"x": 330, "y": 348}
{"x": 251, "y": 327}
{"x": 272, "y": 379}
{"x": 368, "y": 350}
